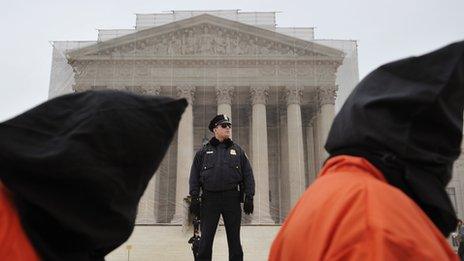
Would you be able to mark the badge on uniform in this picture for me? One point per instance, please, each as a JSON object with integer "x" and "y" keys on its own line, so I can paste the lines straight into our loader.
{"x": 209, "y": 152}
{"x": 233, "y": 152}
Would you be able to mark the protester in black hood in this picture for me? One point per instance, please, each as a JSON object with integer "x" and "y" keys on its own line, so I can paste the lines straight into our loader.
{"x": 381, "y": 194}
{"x": 406, "y": 119}
{"x": 77, "y": 165}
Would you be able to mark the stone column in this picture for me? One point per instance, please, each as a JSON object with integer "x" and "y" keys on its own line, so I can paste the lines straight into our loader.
{"x": 184, "y": 151}
{"x": 317, "y": 140}
{"x": 146, "y": 208}
{"x": 284, "y": 180}
{"x": 259, "y": 95}
{"x": 146, "y": 213}
{"x": 294, "y": 96}
{"x": 310, "y": 161}
{"x": 224, "y": 96}
{"x": 326, "y": 98}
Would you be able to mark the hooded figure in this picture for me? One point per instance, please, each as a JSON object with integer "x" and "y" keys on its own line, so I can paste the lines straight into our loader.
{"x": 406, "y": 119}
{"x": 392, "y": 148}
{"x": 76, "y": 167}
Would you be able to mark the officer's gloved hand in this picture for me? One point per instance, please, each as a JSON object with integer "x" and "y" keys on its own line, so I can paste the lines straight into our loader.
{"x": 248, "y": 205}
{"x": 195, "y": 206}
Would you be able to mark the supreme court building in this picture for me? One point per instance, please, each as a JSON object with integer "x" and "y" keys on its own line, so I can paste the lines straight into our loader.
{"x": 280, "y": 85}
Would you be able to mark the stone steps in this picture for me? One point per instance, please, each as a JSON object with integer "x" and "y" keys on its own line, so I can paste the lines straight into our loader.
{"x": 169, "y": 242}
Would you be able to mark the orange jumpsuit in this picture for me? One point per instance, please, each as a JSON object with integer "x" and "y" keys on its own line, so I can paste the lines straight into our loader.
{"x": 14, "y": 244}
{"x": 352, "y": 213}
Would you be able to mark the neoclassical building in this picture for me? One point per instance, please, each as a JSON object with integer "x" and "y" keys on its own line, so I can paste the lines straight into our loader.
{"x": 278, "y": 85}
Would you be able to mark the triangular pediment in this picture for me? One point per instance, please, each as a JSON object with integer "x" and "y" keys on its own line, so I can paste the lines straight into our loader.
{"x": 206, "y": 36}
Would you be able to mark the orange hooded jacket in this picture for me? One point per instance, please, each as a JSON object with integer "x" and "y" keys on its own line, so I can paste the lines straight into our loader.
{"x": 14, "y": 244}
{"x": 351, "y": 213}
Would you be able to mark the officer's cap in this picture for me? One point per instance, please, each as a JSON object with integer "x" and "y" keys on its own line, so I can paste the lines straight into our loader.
{"x": 218, "y": 119}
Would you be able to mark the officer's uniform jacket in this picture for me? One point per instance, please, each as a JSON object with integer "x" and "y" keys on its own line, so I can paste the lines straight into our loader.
{"x": 221, "y": 167}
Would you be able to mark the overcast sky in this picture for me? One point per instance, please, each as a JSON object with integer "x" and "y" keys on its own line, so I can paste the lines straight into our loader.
{"x": 385, "y": 30}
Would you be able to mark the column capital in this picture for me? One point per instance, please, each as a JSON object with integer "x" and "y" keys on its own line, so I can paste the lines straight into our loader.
{"x": 81, "y": 88}
{"x": 293, "y": 95}
{"x": 119, "y": 87}
{"x": 327, "y": 95}
{"x": 187, "y": 92}
{"x": 224, "y": 94}
{"x": 134, "y": 89}
{"x": 259, "y": 94}
{"x": 151, "y": 90}
{"x": 283, "y": 111}
{"x": 307, "y": 112}
{"x": 312, "y": 121}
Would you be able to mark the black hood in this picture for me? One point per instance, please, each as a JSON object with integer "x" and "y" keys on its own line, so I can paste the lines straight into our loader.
{"x": 406, "y": 118}
{"x": 78, "y": 164}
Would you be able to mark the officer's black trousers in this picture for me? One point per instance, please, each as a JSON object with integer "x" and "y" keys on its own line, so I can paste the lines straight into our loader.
{"x": 214, "y": 204}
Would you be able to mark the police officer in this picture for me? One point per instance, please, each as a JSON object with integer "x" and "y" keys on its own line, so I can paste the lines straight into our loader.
{"x": 221, "y": 173}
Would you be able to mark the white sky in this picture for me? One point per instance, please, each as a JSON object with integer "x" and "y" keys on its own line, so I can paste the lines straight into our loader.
{"x": 385, "y": 30}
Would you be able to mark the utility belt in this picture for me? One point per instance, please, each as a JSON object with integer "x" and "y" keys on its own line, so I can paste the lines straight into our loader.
{"x": 234, "y": 188}
{"x": 237, "y": 188}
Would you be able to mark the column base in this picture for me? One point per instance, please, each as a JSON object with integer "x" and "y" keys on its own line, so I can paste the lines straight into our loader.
{"x": 145, "y": 221}
{"x": 262, "y": 219}
{"x": 178, "y": 219}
